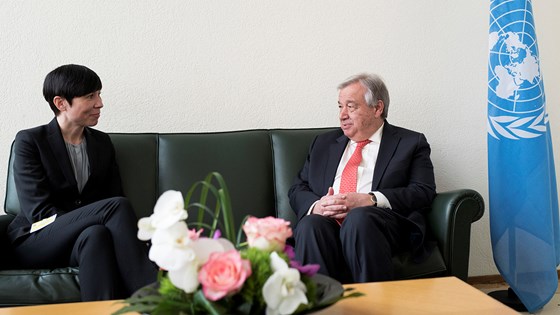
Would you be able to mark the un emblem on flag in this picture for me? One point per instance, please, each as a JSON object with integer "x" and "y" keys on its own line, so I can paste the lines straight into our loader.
{"x": 516, "y": 99}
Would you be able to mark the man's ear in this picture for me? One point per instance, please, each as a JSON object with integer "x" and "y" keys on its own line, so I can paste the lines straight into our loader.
{"x": 379, "y": 108}
{"x": 60, "y": 103}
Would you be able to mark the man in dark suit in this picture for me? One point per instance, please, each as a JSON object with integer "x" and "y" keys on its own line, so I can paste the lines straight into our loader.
{"x": 357, "y": 209}
{"x": 73, "y": 212}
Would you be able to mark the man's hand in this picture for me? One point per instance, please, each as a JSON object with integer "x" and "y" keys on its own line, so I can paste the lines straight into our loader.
{"x": 337, "y": 206}
{"x": 331, "y": 205}
{"x": 354, "y": 200}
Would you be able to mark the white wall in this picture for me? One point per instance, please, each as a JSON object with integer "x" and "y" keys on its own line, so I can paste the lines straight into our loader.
{"x": 215, "y": 65}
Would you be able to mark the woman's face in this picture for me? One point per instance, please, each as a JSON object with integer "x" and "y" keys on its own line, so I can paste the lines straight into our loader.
{"x": 85, "y": 110}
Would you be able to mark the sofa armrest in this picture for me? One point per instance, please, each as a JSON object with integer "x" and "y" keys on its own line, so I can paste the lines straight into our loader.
{"x": 450, "y": 221}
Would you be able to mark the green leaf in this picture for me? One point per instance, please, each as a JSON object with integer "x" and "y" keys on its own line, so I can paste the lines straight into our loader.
{"x": 210, "y": 307}
{"x": 138, "y": 308}
{"x": 351, "y": 295}
{"x": 240, "y": 233}
{"x": 225, "y": 201}
{"x": 145, "y": 304}
{"x": 221, "y": 214}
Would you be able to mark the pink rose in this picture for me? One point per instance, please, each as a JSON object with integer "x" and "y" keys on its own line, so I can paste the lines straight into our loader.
{"x": 224, "y": 273}
{"x": 268, "y": 234}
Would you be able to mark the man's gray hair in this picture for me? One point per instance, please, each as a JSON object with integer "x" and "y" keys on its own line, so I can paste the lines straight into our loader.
{"x": 376, "y": 90}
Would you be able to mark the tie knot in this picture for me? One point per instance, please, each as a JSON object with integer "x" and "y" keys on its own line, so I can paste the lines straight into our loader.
{"x": 363, "y": 143}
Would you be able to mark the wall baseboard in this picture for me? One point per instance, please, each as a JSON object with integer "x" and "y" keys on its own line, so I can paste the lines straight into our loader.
{"x": 491, "y": 279}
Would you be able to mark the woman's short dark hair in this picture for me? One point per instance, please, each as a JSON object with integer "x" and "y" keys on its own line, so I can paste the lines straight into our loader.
{"x": 69, "y": 81}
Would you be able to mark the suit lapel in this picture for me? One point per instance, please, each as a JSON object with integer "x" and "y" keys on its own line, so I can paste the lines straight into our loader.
{"x": 336, "y": 150}
{"x": 387, "y": 148}
{"x": 56, "y": 142}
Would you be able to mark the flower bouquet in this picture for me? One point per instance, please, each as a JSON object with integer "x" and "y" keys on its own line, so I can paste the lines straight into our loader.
{"x": 221, "y": 275}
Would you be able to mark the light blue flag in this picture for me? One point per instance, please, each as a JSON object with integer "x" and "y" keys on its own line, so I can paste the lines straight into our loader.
{"x": 524, "y": 221}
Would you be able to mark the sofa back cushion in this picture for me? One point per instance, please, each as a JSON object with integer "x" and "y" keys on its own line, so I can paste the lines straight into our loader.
{"x": 289, "y": 150}
{"x": 243, "y": 158}
{"x": 258, "y": 166}
{"x": 137, "y": 156}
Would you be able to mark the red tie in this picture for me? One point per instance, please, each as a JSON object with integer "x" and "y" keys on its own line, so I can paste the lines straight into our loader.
{"x": 349, "y": 179}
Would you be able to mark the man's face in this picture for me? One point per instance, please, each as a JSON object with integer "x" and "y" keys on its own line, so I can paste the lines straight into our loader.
{"x": 357, "y": 120}
{"x": 85, "y": 110}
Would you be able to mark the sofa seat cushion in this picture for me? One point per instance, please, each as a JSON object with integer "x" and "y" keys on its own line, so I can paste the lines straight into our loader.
{"x": 39, "y": 286}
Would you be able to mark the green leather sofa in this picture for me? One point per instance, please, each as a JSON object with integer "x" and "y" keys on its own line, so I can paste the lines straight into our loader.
{"x": 258, "y": 167}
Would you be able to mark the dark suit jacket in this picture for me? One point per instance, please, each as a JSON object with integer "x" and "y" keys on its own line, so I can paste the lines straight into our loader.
{"x": 44, "y": 178}
{"x": 403, "y": 173}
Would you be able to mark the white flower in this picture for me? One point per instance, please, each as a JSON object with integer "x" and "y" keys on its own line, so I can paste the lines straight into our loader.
{"x": 175, "y": 248}
{"x": 145, "y": 229}
{"x": 186, "y": 278}
{"x": 169, "y": 209}
{"x": 205, "y": 246}
{"x": 172, "y": 248}
{"x": 283, "y": 291}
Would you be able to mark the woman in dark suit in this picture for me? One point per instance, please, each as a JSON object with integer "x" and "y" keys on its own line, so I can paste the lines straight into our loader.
{"x": 73, "y": 212}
